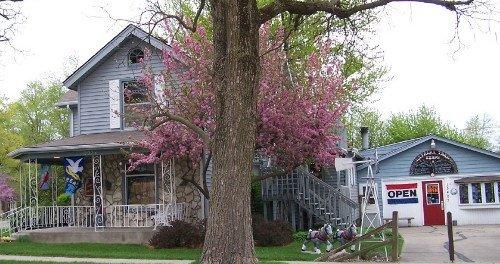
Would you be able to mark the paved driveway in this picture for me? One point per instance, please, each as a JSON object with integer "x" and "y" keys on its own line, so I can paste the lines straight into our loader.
{"x": 472, "y": 244}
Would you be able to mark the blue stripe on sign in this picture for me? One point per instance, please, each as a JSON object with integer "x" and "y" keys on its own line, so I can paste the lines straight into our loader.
{"x": 402, "y": 201}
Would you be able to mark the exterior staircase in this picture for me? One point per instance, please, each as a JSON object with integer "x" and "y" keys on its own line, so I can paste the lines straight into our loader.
{"x": 313, "y": 195}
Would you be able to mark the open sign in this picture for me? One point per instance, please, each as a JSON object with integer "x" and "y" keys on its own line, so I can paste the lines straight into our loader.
{"x": 402, "y": 193}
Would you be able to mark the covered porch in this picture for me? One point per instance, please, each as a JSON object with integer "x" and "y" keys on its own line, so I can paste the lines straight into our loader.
{"x": 111, "y": 197}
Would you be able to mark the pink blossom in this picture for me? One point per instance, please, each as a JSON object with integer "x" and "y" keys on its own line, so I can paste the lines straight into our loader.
{"x": 295, "y": 125}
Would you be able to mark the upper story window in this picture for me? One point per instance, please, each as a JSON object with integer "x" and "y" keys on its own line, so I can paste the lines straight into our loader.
{"x": 433, "y": 162}
{"x": 135, "y": 99}
{"x": 135, "y": 56}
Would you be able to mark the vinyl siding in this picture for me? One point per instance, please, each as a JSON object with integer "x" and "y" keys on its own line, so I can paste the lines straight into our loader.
{"x": 94, "y": 88}
{"x": 398, "y": 166}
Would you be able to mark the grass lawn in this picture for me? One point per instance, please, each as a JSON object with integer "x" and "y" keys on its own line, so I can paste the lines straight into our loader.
{"x": 290, "y": 252}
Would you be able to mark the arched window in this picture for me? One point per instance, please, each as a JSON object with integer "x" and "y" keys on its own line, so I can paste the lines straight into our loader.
{"x": 433, "y": 162}
{"x": 135, "y": 56}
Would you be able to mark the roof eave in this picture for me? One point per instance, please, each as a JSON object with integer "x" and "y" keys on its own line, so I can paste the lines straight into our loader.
{"x": 18, "y": 153}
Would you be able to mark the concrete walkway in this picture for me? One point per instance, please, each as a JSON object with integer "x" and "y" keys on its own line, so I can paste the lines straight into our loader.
{"x": 90, "y": 260}
{"x": 429, "y": 244}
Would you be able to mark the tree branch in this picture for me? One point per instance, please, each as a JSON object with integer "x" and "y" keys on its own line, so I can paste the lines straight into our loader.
{"x": 273, "y": 9}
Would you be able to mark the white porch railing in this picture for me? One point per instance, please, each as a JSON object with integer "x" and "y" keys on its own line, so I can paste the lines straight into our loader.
{"x": 141, "y": 215}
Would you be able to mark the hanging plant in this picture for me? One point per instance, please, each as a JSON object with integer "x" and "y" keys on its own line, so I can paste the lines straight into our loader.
{"x": 64, "y": 199}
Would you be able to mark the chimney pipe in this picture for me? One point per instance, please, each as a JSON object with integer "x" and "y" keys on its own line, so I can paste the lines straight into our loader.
{"x": 365, "y": 138}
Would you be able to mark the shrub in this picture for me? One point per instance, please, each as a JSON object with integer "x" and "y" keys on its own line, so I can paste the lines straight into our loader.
{"x": 300, "y": 236}
{"x": 180, "y": 234}
{"x": 271, "y": 233}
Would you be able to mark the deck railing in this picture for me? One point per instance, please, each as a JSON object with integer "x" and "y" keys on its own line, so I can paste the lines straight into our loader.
{"x": 312, "y": 194}
{"x": 141, "y": 215}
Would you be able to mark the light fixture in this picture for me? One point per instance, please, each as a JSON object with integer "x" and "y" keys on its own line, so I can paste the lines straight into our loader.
{"x": 57, "y": 157}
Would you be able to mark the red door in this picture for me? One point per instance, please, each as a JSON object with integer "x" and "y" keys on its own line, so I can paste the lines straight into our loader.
{"x": 433, "y": 203}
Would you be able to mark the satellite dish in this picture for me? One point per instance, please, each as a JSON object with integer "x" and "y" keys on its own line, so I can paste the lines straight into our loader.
{"x": 343, "y": 164}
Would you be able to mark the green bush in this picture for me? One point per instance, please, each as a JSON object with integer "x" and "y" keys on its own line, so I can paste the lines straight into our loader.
{"x": 300, "y": 236}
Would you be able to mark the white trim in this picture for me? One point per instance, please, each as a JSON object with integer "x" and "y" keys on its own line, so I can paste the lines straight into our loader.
{"x": 71, "y": 124}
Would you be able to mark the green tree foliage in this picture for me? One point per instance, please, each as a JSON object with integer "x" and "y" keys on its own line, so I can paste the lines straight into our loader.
{"x": 414, "y": 124}
{"x": 30, "y": 120}
{"x": 36, "y": 118}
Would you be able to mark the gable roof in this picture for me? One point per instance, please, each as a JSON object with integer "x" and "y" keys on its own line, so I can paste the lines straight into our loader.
{"x": 108, "y": 49}
{"x": 387, "y": 151}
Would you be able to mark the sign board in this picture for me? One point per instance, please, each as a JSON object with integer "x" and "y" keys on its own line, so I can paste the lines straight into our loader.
{"x": 404, "y": 193}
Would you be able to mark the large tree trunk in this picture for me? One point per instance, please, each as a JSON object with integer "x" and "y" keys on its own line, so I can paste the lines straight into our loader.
{"x": 229, "y": 232}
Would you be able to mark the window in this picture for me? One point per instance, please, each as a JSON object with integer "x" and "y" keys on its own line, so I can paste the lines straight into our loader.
{"x": 464, "y": 193}
{"x": 480, "y": 193}
{"x": 433, "y": 162}
{"x": 140, "y": 185}
{"x": 136, "y": 102}
{"x": 135, "y": 56}
{"x": 489, "y": 190}
{"x": 476, "y": 193}
{"x": 432, "y": 190}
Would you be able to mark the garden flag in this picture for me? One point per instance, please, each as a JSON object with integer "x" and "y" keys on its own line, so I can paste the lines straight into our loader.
{"x": 73, "y": 168}
{"x": 44, "y": 177}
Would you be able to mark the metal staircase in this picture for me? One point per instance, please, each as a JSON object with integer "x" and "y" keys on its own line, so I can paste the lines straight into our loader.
{"x": 310, "y": 193}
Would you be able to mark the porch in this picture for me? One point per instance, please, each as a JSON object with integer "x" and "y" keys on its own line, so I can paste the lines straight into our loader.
{"x": 112, "y": 198}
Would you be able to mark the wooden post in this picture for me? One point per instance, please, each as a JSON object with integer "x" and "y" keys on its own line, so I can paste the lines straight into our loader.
{"x": 451, "y": 245}
{"x": 394, "y": 251}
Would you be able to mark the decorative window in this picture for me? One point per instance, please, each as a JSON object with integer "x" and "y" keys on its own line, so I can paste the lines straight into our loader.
{"x": 476, "y": 193}
{"x": 136, "y": 103}
{"x": 489, "y": 191}
{"x": 433, "y": 162}
{"x": 464, "y": 193}
{"x": 135, "y": 56}
{"x": 432, "y": 191}
{"x": 140, "y": 185}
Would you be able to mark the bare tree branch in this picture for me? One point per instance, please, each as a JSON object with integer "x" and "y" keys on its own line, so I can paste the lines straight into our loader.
{"x": 273, "y": 9}
{"x": 8, "y": 19}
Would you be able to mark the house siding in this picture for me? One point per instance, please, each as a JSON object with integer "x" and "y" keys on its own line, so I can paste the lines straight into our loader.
{"x": 398, "y": 166}
{"x": 94, "y": 88}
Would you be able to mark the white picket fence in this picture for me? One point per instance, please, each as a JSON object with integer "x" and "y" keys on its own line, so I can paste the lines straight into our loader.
{"x": 141, "y": 215}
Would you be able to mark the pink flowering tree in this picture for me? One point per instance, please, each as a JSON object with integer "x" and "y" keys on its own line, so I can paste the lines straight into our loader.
{"x": 6, "y": 192}
{"x": 296, "y": 116}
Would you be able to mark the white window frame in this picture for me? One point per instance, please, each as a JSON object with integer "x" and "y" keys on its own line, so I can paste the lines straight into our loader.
{"x": 483, "y": 194}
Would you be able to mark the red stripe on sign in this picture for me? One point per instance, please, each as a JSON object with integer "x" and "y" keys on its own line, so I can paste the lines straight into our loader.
{"x": 401, "y": 186}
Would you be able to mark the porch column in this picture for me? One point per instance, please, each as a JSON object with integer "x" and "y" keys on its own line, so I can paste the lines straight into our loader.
{"x": 293, "y": 216}
{"x": 98, "y": 195}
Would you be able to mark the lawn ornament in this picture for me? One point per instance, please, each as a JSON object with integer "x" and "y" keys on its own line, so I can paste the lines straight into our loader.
{"x": 347, "y": 235}
{"x": 317, "y": 237}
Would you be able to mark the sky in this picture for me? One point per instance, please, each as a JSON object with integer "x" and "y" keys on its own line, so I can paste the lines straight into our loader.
{"x": 425, "y": 67}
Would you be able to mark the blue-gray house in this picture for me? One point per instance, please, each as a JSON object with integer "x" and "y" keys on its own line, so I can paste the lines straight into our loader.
{"x": 426, "y": 177}
{"x": 111, "y": 195}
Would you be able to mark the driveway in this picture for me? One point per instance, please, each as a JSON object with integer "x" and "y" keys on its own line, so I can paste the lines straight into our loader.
{"x": 472, "y": 244}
